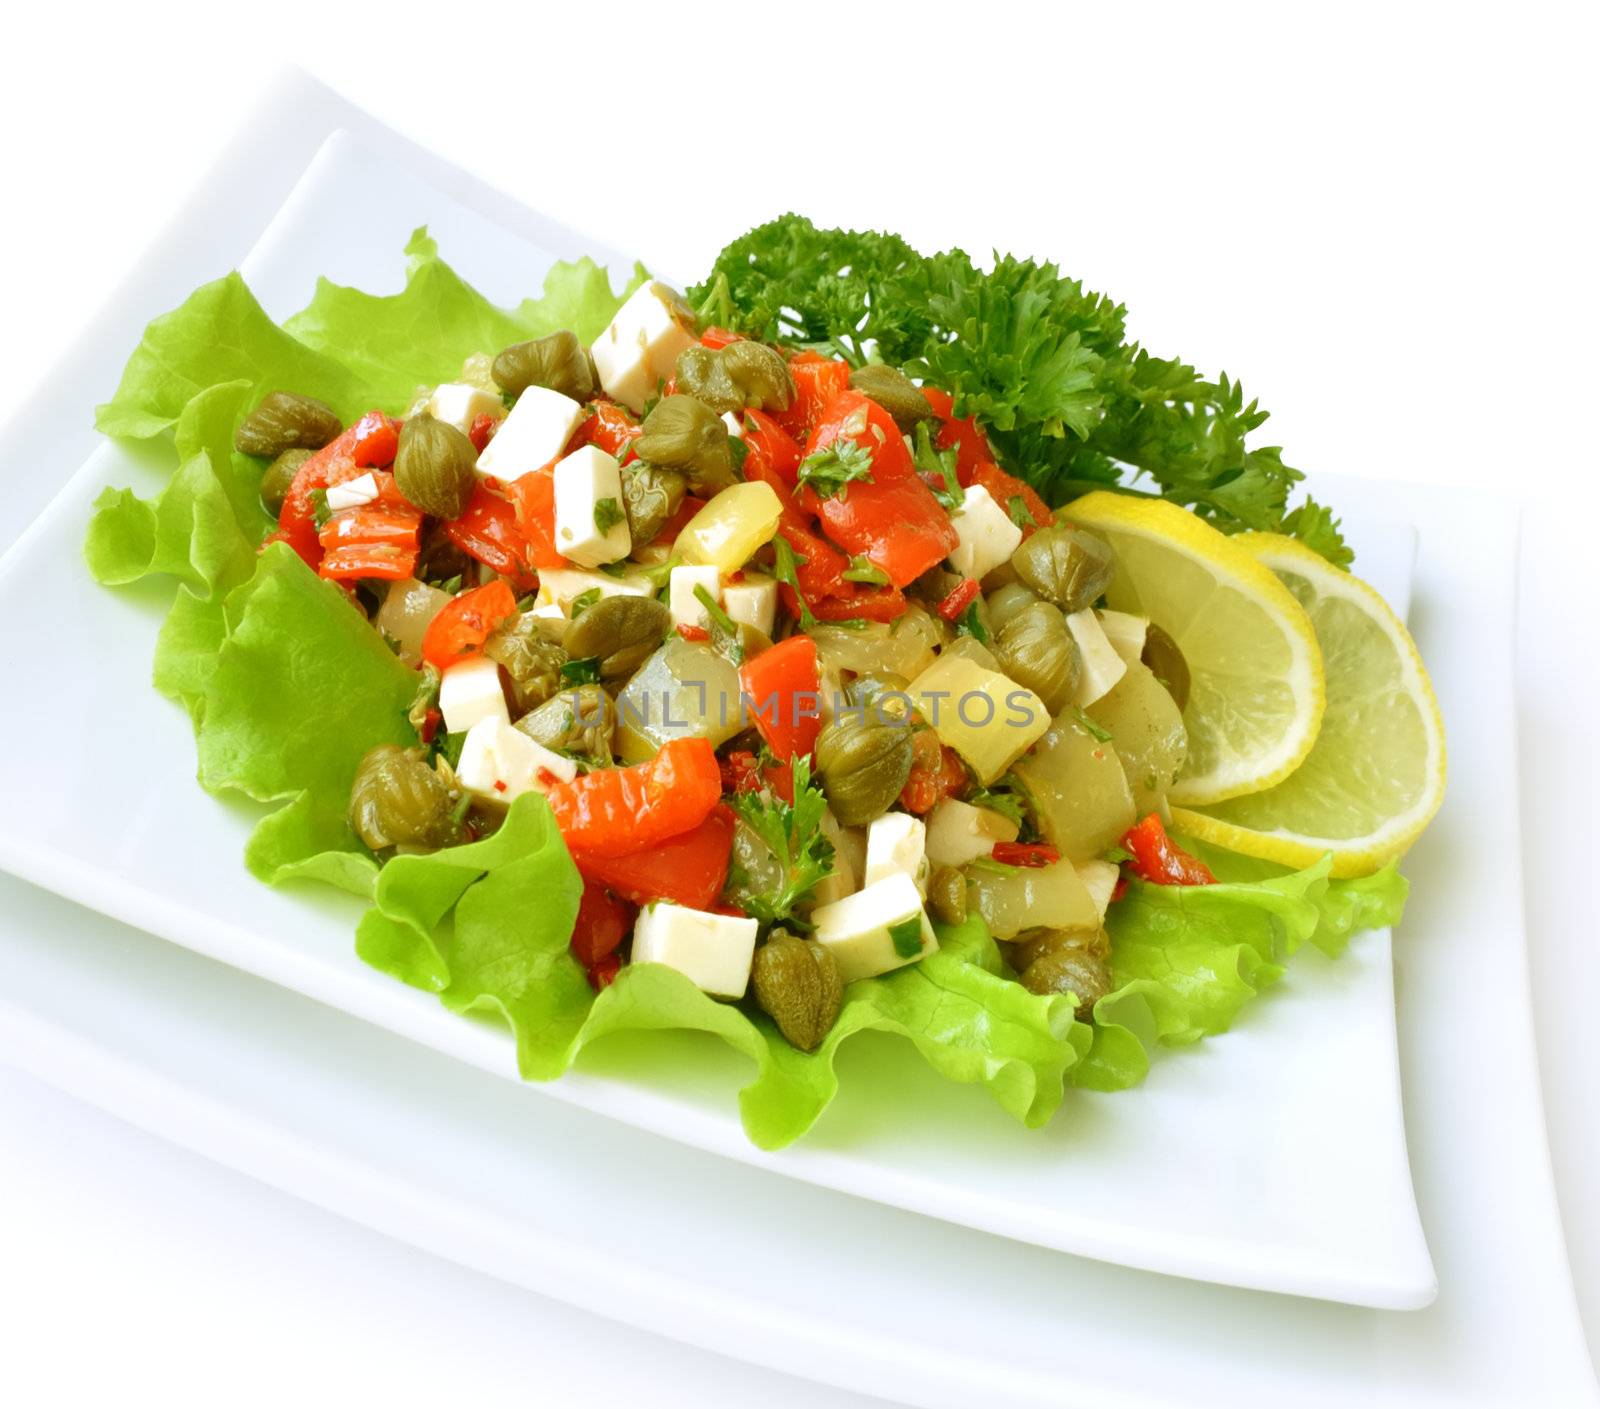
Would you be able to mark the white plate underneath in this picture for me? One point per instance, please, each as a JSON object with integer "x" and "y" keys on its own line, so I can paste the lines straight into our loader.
{"x": 1300, "y": 1195}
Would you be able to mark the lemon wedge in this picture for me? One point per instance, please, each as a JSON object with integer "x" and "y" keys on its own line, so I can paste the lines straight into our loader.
{"x": 1256, "y": 687}
{"x": 1376, "y": 775}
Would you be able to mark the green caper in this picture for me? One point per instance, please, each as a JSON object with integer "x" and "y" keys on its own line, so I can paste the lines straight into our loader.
{"x": 284, "y": 420}
{"x": 947, "y": 894}
{"x": 798, "y": 986}
{"x": 621, "y": 631}
{"x": 1006, "y": 602}
{"x": 435, "y": 466}
{"x": 581, "y": 720}
{"x": 1036, "y": 650}
{"x": 559, "y": 362}
{"x": 279, "y": 476}
{"x": 532, "y": 664}
{"x": 734, "y": 377}
{"x": 895, "y": 392}
{"x": 863, "y": 763}
{"x": 1069, "y": 970}
{"x": 399, "y": 800}
{"x": 683, "y": 433}
{"x": 885, "y": 694}
{"x": 1165, "y": 658}
{"x": 1066, "y": 566}
{"x": 1032, "y": 945}
{"x": 651, "y": 495}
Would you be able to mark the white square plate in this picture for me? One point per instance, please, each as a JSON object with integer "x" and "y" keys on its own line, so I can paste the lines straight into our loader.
{"x": 1286, "y": 1132}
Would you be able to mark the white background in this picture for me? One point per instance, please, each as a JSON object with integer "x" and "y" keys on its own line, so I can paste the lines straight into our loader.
{"x": 1379, "y": 218}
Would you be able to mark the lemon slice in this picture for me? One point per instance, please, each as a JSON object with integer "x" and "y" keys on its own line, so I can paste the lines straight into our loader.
{"x": 1256, "y": 690}
{"x": 1376, "y": 775}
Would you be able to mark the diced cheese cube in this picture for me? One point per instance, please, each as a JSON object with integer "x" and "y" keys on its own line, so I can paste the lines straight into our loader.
{"x": 469, "y": 692}
{"x": 712, "y": 951}
{"x": 688, "y": 609}
{"x": 988, "y": 537}
{"x": 591, "y": 526}
{"x": 752, "y": 600}
{"x": 459, "y": 405}
{"x": 1126, "y": 633}
{"x": 897, "y": 844}
{"x": 959, "y": 833}
{"x": 849, "y": 860}
{"x": 1102, "y": 666}
{"x": 353, "y": 493}
{"x": 536, "y": 431}
{"x": 560, "y": 587}
{"x": 1099, "y": 879}
{"x": 499, "y": 762}
{"x": 638, "y": 349}
{"x": 877, "y": 929}
{"x": 734, "y": 422}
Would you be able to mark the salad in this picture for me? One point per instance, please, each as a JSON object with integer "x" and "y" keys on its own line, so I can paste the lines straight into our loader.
{"x": 855, "y": 641}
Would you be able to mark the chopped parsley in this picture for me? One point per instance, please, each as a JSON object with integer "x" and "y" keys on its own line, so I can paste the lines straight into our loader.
{"x": 907, "y": 937}
{"x": 786, "y": 568}
{"x": 449, "y": 748}
{"x": 860, "y": 570}
{"x": 607, "y": 515}
{"x": 940, "y": 465}
{"x": 583, "y": 671}
{"x": 1088, "y": 725}
{"x": 793, "y": 834}
{"x": 320, "y": 511}
{"x": 833, "y": 469}
{"x": 999, "y": 799}
{"x": 583, "y": 601}
{"x": 738, "y": 450}
{"x": 971, "y": 624}
{"x": 1017, "y": 507}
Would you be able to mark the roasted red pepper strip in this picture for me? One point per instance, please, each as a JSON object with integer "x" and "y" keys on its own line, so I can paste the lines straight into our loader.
{"x": 1016, "y": 853}
{"x": 936, "y": 773}
{"x": 464, "y": 624}
{"x": 781, "y": 685}
{"x": 534, "y": 496}
{"x": 370, "y": 443}
{"x": 612, "y": 427}
{"x": 715, "y": 337}
{"x": 891, "y": 519}
{"x": 817, "y": 380}
{"x": 771, "y": 453}
{"x": 1156, "y": 858}
{"x": 603, "y": 923}
{"x": 971, "y": 445}
{"x": 483, "y": 428}
{"x": 1003, "y": 488}
{"x": 862, "y": 603}
{"x": 690, "y": 869}
{"x": 959, "y": 599}
{"x": 618, "y": 811}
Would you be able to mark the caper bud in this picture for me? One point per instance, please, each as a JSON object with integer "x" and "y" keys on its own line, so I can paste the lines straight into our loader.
{"x": 650, "y": 497}
{"x": 863, "y": 764}
{"x": 734, "y": 377}
{"x": 895, "y": 392}
{"x": 947, "y": 894}
{"x": 435, "y": 466}
{"x": 621, "y": 631}
{"x": 1070, "y": 970}
{"x": 559, "y": 362}
{"x": 1006, "y": 602}
{"x": 286, "y": 421}
{"x": 798, "y": 986}
{"x": 398, "y": 800}
{"x": 885, "y": 695}
{"x": 683, "y": 433}
{"x": 1066, "y": 566}
{"x": 580, "y": 720}
{"x": 1032, "y": 945}
{"x": 279, "y": 476}
{"x": 532, "y": 664}
{"x": 1165, "y": 658}
{"x": 1036, "y": 650}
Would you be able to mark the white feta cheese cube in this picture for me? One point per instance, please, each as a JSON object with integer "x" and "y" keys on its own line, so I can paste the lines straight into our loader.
{"x": 1099, "y": 879}
{"x": 734, "y": 422}
{"x": 459, "y": 405}
{"x": 1102, "y": 666}
{"x": 591, "y": 526}
{"x": 560, "y": 587}
{"x": 959, "y": 833}
{"x": 879, "y": 928}
{"x": 988, "y": 537}
{"x": 712, "y": 951}
{"x": 1126, "y": 633}
{"x": 353, "y": 493}
{"x": 536, "y": 431}
{"x": 638, "y": 349}
{"x": 688, "y": 609}
{"x": 752, "y": 600}
{"x": 469, "y": 692}
{"x": 897, "y": 843}
{"x": 501, "y": 763}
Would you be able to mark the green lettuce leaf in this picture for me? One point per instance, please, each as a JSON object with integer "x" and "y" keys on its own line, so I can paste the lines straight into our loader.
{"x": 1185, "y": 960}
{"x": 421, "y": 336}
{"x": 300, "y": 689}
{"x": 486, "y": 927}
